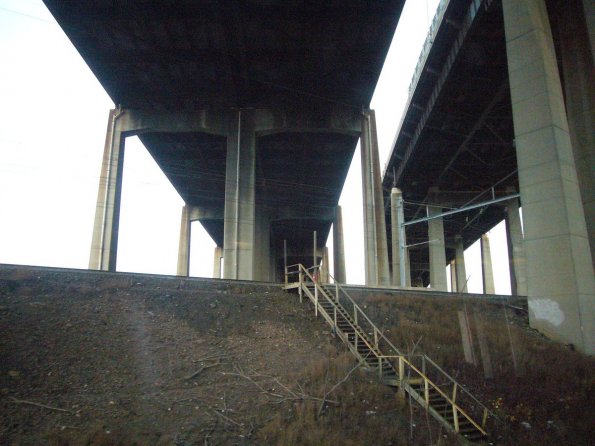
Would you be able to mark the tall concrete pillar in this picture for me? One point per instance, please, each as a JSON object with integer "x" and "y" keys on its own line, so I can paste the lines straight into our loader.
{"x": 217, "y": 256}
{"x": 104, "y": 245}
{"x": 487, "y": 271}
{"x": 453, "y": 276}
{"x": 262, "y": 245}
{"x": 579, "y": 94}
{"x": 184, "y": 245}
{"x": 324, "y": 270}
{"x": 339, "y": 248}
{"x": 461, "y": 271}
{"x": 516, "y": 249}
{"x": 376, "y": 249}
{"x": 395, "y": 196}
{"x": 239, "y": 214}
{"x": 561, "y": 287}
{"x": 437, "y": 250}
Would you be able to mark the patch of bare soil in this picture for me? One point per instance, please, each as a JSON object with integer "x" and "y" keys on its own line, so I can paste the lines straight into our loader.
{"x": 119, "y": 359}
{"x": 131, "y": 360}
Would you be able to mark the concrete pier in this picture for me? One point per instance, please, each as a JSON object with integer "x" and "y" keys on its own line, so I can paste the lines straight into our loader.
{"x": 516, "y": 249}
{"x": 339, "y": 247}
{"x": 461, "y": 271}
{"x": 395, "y": 196}
{"x": 104, "y": 245}
{"x": 560, "y": 283}
{"x": 486, "y": 266}
{"x": 217, "y": 256}
{"x": 238, "y": 241}
{"x": 375, "y": 242}
{"x": 437, "y": 250}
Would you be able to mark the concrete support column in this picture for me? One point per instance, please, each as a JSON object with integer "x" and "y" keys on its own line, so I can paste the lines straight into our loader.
{"x": 239, "y": 214}
{"x": 561, "y": 287}
{"x": 376, "y": 250}
{"x": 516, "y": 250}
{"x": 395, "y": 197}
{"x": 324, "y": 270}
{"x": 104, "y": 245}
{"x": 262, "y": 245}
{"x": 339, "y": 247}
{"x": 184, "y": 245}
{"x": 218, "y": 255}
{"x": 437, "y": 250}
{"x": 487, "y": 271}
{"x": 579, "y": 94}
{"x": 461, "y": 271}
{"x": 453, "y": 276}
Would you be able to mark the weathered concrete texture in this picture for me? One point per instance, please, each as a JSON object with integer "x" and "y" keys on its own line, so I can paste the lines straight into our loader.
{"x": 461, "y": 271}
{"x": 324, "y": 268}
{"x": 561, "y": 287}
{"x": 579, "y": 94}
{"x": 339, "y": 247}
{"x": 262, "y": 246}
{"x": 104, "y": 245}
{"x": 516, "y": 250}
{"x": 486, "y": 266}
{"x": 437, "y": 250}
{"x": 375, "y": 243}
{"x": 239, "y": 226}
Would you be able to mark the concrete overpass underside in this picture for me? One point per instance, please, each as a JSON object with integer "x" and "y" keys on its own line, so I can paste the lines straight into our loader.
{"x": 503, "y": 103}
{"x": 252, "y": 109}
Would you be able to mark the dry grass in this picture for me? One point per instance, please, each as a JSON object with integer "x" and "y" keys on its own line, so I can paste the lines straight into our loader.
{"x": 543, "y": 391}
{"x": 367, "y": 412}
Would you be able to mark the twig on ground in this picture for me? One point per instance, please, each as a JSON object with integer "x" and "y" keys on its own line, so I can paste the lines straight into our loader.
{"x": 227, "y": 418}
{"x": 203, "y": 368}
{"x": 345, "y": 378}
{"x": 45, "y": 406}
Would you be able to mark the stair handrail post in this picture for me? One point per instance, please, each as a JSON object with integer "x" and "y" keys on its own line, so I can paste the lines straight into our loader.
{"x": 426, "y": 390}
{"x": 301, "y": 284}
{"x": 337, "y": 292}
{"x": 423, "y": 364}
{"x": 380, "y": 367}
{"x": 401, "y": 370}
{"x": 455, "y": 415}
{"x": 315, "y": 299}
{"x": 484, "y": 420}
{"x": 335, "y": 316}
{"x": 375, "y": 337}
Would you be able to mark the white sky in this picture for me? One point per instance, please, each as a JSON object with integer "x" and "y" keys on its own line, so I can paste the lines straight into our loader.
{"x": 53, "y": 118}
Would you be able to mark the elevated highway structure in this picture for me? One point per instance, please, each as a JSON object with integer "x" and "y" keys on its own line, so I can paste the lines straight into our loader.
{"x": 502, "y": 102}
{"x": 252, "y": 108}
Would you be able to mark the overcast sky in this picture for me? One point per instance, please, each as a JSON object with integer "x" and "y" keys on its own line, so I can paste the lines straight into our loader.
{"x": 53, "y": 120}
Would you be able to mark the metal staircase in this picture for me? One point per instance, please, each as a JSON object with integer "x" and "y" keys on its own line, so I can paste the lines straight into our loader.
{"x": 415, "y": 375}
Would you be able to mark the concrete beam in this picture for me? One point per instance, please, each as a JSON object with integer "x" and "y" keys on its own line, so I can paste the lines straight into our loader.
{"x": 561, "y": 286}
{"x": 104, "y": 244}
{"x": 376, "y": 250}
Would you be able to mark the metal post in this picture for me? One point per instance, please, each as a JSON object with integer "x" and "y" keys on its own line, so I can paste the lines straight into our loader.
{"x": 454, "y": 408}
{"x": 285, "y": 258}
{"x": 315, "y": 299}
{"x": 402, "y": 247}
{"x": 314, "y": 256}
{"x": 301, "y": 282}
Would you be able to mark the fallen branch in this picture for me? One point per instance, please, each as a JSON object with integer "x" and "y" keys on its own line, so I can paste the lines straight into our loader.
{"x": 45, "y": 406}
{"x": 345, "y": 378}
{"x": 199, "y": 371}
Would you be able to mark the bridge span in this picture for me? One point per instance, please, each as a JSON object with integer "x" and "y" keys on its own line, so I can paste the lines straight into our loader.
{"x": 501, "y": 104}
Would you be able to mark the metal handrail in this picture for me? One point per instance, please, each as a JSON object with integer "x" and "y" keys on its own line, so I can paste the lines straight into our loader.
{"x": 378, "y": 333}
{"x": 437, "y": 388}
